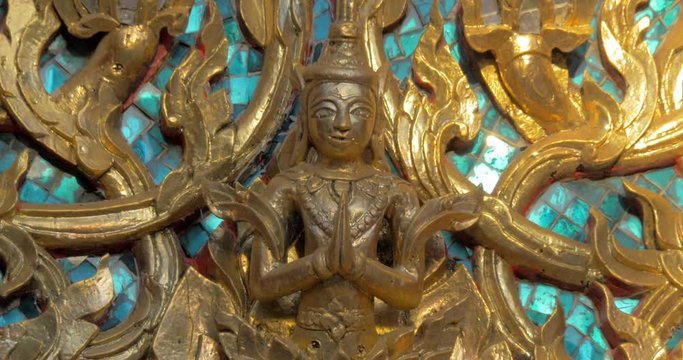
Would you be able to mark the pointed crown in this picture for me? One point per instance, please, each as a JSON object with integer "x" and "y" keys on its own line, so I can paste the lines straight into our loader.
{"x": 343, "y": 57}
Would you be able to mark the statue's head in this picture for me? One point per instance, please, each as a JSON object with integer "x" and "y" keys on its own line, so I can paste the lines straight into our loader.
{"x": 339, "y": 100}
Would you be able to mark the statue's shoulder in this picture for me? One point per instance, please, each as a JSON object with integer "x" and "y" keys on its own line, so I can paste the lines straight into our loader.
{"x": 384, "y": 182}
{"x": 397, "y": 183}
{"x": 401, "y": 190}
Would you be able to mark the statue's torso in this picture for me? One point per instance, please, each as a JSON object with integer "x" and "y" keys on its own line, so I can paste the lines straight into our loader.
{"x": 336, "y": 308}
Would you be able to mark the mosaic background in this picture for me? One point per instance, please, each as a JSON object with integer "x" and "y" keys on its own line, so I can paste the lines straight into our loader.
{"x": 563, "y": 207}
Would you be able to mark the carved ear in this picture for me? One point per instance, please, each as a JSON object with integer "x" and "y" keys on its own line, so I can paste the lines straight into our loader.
{"x": 297, "y": 77}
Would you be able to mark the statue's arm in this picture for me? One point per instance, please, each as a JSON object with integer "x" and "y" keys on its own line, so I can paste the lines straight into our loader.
{"x": 400, "y": 286}
{"x": 271, "y": 278}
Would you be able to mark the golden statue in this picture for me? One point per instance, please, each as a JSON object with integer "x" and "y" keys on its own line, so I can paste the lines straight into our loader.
{"x": 341, "y": 196}
{"x": 337, "y": 253}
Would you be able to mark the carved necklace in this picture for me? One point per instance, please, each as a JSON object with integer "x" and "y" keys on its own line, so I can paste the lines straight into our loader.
{"x": 321, "y": 218}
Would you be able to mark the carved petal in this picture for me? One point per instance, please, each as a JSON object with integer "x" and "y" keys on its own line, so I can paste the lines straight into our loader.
{"x": 258, "y": 19}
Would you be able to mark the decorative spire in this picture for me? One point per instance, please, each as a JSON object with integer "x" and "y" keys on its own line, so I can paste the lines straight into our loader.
{"x": 343, "y": 57}
{"x": 345, "y": 11}
{"x": 345, "y": 22}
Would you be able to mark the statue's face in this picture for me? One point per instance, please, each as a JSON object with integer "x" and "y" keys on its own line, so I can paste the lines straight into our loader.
{"x": 341, "y": 117}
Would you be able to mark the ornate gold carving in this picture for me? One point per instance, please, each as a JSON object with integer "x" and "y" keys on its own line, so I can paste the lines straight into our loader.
{"x": 303, "y": 276}
{"x": 524, "y": 79}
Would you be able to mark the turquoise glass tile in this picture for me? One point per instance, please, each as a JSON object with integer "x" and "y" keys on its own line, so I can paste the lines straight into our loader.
{"x": 411, "y": 22}
{"x": 506, "y": 130}
{"x": 675, "y": 192}
{"x": 242, "y": 89}
{"x": 582, "y": 335}
{"x": 647, "y": 184}
{"x": 238, "y": 64}
{"x": 661, "y": 177}
{"x": 66, "y": 190}
{"x": 485, "y": 176}
{"x": 124, "y": 274}
{"x": 32, "y": 193}
{"x": 612, "y": 207}
{"x": 422, "y": 7}
{"x": 401, "y": 69}
{"x": 53, "y": 76}
{"x": 568, "y": 229}
{"x": 490, "y": 118}
{"x": 225, "y": 8}
{"x": 194, "y": 21}
{"x": 498, "y": 153}
{"x": 524, "y": 292}
{"x": 578, "y": 211}
{"x": 672, "y": 15}
{"x": 148, "y": 99}
{"x": 456, "y": 251}
{"x": 158, "y": 170}
{"x": 645, "y": 13}
{"x": 211, "y": 222}
{"x": 632, "y": 225}
{"x": 391, "y": 48}
{"x": 81, "y": 272}
{"x": 599, "y": 339}
{"x": 173, "y": 157}
{"x": 544, "y": 301}
{"x": 163, "y": 76}
{"x": 7, "y": 159}
{"x": 232, "y": 31}
{"x": 147, "y": 148}
{"x": 178, "y": 53}
{"x": 660, "y": 5}
{"x": 543, "y": 216}
{"x": 675, "y": 339}
{"x": 463, "y": 164}
{"x": 17, "y": 309}
{"x": 450, "y": 33}
{"x": 582, "y": 319}
{"x": 572, "y": 340}
{"x": 194, "y": 239}
{"x": 626, "y": 305}
{"x": 41, "y": 172}
{"x": 560, "y": 198}
{"x": 321, "y": 23}
{"x": 255, "y": 61}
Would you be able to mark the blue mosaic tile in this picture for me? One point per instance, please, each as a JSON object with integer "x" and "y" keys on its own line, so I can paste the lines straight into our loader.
{"x": 53, "y": 76}
{"x": 194, "y": 21}
{"x": 494, "y": 148}
{"x": 675, "y": 338}
{"x": 583, "y": 339}
{"x": 44, "y": 183}
{"x": 126, "y": 285}
{"x": 60, "y": 61}
{"x": 627, "y": 305}
{"x": 194, "y": 237}
{"x": 571, "y": 200}
{"x": 456, "y": 251}
{"x": 244, "y": 63}
{"x": 483, "y": 165}
{"x": 16, "y": 310}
